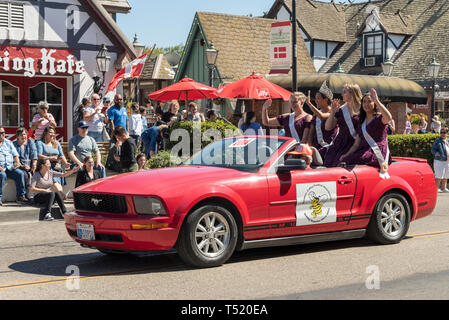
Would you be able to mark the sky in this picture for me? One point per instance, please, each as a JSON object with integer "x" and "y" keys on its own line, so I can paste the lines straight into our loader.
{"x": 167, "y": 22}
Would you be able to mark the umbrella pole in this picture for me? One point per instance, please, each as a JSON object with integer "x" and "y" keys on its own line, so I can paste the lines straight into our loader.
{"x": 254, "y": 105}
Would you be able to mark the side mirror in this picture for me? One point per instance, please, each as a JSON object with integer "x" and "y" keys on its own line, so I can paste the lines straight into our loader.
{"x": 292, "y": 164}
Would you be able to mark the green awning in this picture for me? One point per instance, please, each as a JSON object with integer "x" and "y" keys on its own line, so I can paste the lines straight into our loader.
{"x": 388, "y": 88}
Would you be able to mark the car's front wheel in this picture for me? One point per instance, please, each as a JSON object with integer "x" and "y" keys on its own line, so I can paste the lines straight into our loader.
{"x": 391, "y": 219}
{"x": 208, "y": 237}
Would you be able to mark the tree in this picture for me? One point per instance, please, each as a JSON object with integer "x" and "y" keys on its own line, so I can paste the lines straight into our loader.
{"x": 178, "y": 49}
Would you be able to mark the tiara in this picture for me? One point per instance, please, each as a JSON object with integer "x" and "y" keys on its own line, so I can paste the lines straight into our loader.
{"x": 324, "y": 90}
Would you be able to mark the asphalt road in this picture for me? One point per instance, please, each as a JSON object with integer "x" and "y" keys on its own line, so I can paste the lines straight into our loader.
{"x": 38, "y": 261}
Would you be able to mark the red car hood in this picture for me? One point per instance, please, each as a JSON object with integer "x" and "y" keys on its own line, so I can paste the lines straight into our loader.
{"x": 160, "y": 181}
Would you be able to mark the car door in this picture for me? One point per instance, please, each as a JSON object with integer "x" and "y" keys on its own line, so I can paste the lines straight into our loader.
{"x": 310, "y": 201}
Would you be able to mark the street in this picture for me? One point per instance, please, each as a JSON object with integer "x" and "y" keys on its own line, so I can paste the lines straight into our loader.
{"x": 40, "y": 261}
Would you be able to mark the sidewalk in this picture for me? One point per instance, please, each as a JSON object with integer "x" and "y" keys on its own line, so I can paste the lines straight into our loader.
{"x": 14, "y": 212}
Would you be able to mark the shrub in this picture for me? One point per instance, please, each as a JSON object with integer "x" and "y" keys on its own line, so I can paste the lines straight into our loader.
{"x": 222, "y": 127}
{"x": 416, "y": 118}
{"x": 412, "y": 145}
{"x": 163, "y": 159}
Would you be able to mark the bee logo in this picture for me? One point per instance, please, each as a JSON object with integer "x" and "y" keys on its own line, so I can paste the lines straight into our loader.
{"x": 317, "y": 204}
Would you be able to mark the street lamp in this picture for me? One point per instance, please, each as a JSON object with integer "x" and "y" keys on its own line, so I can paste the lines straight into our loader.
{"x": 103, "y": 61}
{"x": 138, "y": 47}
{"x": 211, "y": 57}
{"x": 432, "y": 69}
{"x": 387, "y": 67}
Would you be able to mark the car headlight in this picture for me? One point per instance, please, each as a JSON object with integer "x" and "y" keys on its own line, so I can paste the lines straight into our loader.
{"x": 149, "y": 205}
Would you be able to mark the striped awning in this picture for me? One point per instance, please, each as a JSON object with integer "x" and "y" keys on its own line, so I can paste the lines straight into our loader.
{"x": 388, "y": 88}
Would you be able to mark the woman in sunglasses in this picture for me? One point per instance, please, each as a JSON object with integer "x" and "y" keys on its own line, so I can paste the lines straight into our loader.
{"x": 42, "y": 120}
{"x": 440, "y": 150}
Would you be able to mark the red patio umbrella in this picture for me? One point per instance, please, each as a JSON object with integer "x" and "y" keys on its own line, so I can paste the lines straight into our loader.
{"x": 186, "y": 89}
{"x": 254, "y": 87}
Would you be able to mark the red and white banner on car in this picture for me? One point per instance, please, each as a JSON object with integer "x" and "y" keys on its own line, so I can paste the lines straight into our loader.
{"x": 281, "y": 47}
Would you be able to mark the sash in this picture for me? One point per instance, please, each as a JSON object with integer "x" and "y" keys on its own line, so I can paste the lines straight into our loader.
{"x": 348, "y": 121}
{"x": 293, "y": 131}
{"x": 383, "y": 162}
{"x": 319, "y": 133}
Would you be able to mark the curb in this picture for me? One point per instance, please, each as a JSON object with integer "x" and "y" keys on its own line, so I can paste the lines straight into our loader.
{"x": 13, "y": 212}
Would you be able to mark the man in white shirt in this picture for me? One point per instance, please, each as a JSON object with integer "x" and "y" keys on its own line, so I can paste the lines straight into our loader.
{"x": 94, "y": 118}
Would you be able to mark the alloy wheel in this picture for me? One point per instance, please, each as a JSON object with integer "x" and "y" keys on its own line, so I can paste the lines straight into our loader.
{"x": 212, "y": 234}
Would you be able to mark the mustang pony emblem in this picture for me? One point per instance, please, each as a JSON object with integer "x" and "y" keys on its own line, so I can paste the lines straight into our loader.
{"x": 96, "y": 202}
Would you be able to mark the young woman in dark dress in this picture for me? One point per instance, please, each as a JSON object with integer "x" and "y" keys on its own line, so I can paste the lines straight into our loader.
{"x": 296, "y": 124}
{"x": 346, "y": 117}
{"x": 371, "y": 145}
{"x": 319, "y": 137}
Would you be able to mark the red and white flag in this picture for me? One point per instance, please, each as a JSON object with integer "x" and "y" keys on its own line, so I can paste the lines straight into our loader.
{"x": 131, "y": 70}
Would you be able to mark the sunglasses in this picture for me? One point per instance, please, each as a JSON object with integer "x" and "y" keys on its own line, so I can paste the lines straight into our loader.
{"x": 2, "y": 132}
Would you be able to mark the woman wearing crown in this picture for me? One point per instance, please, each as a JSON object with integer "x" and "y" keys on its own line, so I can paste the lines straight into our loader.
{"x": 319, "y": 137}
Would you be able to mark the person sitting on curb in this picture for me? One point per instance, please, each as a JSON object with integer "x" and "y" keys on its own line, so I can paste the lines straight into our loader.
{"x": 141, "y": 162}
{"x": 42, "y": 187}
{"x": 9, "y": 168}
{"x": 87, "y": 173}
{"x": 26, "y": 148}
{"x": 82, "y": 146}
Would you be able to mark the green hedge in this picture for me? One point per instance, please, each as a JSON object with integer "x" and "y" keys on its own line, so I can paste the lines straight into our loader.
{"x": 162, "y": 160}
{"x": 219, "y": 125}
{"x": 412, "y": 145}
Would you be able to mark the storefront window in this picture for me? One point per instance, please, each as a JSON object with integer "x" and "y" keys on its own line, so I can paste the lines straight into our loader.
{"x": 46, "y": 91}
{"x": 9, "y": 105}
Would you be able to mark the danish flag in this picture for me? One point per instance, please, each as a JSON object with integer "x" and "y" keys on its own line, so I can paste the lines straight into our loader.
{"x": 280, "y": 52}
{"x": 131, "y": 70}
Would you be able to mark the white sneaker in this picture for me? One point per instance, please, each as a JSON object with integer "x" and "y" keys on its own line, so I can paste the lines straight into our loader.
{"x": 440, "y": 191}
{"x": 446, "y": 190}
{"x": 48, "y": 217}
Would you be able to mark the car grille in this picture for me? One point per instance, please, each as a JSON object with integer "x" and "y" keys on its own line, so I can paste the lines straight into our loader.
{"x": 104, "y": 203}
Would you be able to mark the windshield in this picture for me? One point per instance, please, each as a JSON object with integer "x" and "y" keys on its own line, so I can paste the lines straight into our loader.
{"x": 240, "y": 153}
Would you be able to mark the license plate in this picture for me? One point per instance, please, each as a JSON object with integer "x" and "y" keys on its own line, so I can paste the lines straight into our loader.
{"x": 85, "y": 231}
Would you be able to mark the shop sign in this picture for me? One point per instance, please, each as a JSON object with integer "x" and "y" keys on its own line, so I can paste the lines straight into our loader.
{"x": 39, "y": 61}
{"x": 418, "y": 106}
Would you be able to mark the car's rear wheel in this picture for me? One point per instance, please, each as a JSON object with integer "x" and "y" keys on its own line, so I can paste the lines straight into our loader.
{"x": 208, "y": 237}
{"x": 391, "y": 219}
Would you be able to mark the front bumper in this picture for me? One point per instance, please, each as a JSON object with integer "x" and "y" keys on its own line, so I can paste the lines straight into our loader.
{"x": 117, "y": 233}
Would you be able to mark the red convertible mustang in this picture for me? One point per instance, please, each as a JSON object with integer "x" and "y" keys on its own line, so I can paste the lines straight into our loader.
{"x": 247, "y": 192}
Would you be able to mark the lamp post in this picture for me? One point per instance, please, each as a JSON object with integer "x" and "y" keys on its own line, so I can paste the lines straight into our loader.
{"x": 295, "y": 49}
{"x": 138, "y": 48}
{"x": 211, "y": 57}
{"x": 103, "y": 61}
{"x": 433, "y": 68}
{"x": 387, "y": 67}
